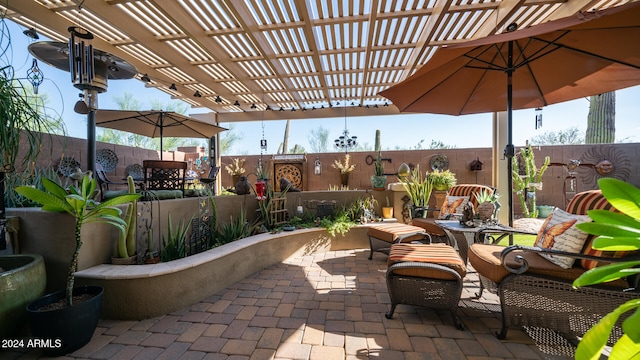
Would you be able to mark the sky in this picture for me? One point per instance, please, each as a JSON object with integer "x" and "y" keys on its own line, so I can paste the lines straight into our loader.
{"x": 405, "y": 131}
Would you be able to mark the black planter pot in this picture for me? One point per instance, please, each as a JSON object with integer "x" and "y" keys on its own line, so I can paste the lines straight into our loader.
{"x": 73, "y": 326}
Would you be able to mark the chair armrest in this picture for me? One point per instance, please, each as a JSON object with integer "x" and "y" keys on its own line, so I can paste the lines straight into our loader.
{"x": 523, "y": 265}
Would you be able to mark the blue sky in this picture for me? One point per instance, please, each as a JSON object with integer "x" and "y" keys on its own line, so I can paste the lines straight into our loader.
{"x": 402, "y": 130}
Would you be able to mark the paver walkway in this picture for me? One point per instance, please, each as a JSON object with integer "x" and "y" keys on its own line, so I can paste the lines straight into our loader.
{"x": 321, "y": 307}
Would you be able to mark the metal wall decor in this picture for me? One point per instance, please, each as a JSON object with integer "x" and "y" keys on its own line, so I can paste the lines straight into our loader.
{"x": 439, "y": 162}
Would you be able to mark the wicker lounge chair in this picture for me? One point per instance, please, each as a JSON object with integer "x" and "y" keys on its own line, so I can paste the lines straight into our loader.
{"x": 535, "y": 292}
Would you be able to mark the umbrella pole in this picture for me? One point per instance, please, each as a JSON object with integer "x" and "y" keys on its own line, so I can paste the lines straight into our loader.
{"x": 509, "y": 150}
{"x": 161, "y": 134}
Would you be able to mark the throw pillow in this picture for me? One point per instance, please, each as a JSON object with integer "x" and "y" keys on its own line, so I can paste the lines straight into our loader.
{"x": 559, "y": 232}
{"x": 453, "y": 205}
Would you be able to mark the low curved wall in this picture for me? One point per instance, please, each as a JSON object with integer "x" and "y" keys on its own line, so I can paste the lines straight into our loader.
{"x": 136, "y": 292}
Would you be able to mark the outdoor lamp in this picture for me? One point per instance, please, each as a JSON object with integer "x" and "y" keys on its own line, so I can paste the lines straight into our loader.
{"x": 317, "y": 167}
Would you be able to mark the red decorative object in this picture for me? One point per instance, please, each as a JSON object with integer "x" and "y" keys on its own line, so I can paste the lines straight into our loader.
{"x": 261, "y": 189}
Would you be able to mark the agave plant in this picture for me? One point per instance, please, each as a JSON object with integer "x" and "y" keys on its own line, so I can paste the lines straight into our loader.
{"x": 79, "y": 203}
{"x": 616, "y": 232}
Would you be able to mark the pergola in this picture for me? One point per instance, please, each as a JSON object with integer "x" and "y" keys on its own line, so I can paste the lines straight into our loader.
{"x": 300, "y": 59}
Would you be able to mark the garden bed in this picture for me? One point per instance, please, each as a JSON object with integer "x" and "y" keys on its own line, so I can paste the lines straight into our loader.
{"x": 137, "y": 292}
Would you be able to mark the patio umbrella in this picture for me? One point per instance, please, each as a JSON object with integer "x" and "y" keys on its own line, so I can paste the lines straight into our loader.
{"x": 156, "y": 124}
{"x": 578, "y": 56}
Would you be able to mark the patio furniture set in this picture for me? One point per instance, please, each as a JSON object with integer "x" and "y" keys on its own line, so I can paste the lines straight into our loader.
{"x": 155, "y": 179}
{"x": 534, "y": 284}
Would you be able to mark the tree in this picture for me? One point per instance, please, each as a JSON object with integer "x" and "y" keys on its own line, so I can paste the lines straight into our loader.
{"x": 319, "y": 139}
{"x": 601, "y": 121}
{"x": 439, "y": 145}
{"x": 228, "y": 139}
{"x": 570, "y": 136}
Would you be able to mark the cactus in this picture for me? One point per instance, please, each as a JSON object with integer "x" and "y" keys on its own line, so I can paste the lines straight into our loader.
{"x": 127, "y": 240}
{"x": 379, "y": 166}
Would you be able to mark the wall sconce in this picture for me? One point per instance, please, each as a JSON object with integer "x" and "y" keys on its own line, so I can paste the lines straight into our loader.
{"x": 317, "y": 167}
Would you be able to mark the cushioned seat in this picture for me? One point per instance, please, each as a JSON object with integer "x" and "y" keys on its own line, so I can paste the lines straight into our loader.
{"x": 440, "y": 254}
{"x": 486, "y": 261}
{"x": 427, "y": 275}
{"x": 382, "y": 236}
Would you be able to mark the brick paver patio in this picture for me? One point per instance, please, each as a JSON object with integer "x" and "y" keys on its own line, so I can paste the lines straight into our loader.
{"x": 320, "y": 307}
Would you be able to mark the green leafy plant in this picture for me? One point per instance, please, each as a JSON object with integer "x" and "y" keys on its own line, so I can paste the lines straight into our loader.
{"x": 486, "y": 196}
{"x": 262, "y": 172}
{"x": 340, "y": 224}
{"x": 418, "y": 187}
{"x": 442, "y": 179}
{"x": 527, "y": 178}
{"x": 79, "y": 203}
{"x": 174, "y": 244}
{"x": 237, "y": 228}
{"x": 32, "y": 176}
{"x": 616, "y": 232}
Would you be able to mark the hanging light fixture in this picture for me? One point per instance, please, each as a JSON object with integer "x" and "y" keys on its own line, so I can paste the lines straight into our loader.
{"x": 345, "y": 142}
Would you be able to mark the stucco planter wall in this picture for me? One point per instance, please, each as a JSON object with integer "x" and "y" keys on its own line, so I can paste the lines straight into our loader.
{"x": 143, "y": 291}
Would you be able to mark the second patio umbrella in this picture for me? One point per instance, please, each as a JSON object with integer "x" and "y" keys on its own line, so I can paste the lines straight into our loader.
{"x": 578, "y": 56}
{"x": 156, "y": 124}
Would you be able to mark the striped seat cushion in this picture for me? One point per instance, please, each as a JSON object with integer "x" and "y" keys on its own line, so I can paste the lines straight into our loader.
{"x": 391, "y": 232}
{"x": 580, "y": 204}
{"x": 440, "y": 254}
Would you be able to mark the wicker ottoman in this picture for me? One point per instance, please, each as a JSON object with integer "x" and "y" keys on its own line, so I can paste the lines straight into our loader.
{"x": 427, "y": 275}
{"x": 382, "y": 236}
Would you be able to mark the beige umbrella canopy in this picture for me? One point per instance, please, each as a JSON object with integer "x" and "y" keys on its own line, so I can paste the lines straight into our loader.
{"x": 156, "y": 124}
{"x": 578, "y": 56}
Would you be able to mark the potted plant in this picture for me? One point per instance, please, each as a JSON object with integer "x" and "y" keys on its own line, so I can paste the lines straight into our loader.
{"x": 58, "y": 315}
{"x": 442, "y": 180}
{"x": 378, "y": 179}
{"x": 345, "y": 168}
{"x": 487, "y": 204}
{"x": 235, "y": 169}
{"x": 419, "y": 189}
{"x": 616, "y": 232}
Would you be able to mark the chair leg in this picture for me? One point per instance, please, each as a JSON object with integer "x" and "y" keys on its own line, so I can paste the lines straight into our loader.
{"x": 503, "y": 332}
{"x": 456, "y": 321}
{"x": 389, "y": 314}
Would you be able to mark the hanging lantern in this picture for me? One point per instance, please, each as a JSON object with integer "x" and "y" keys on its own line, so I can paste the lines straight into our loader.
{"x": 317, "y": 167}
